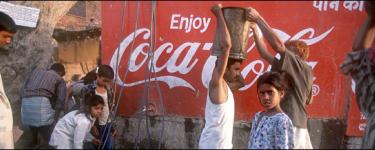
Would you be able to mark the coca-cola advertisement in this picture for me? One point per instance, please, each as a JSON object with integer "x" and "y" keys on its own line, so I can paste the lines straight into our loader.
{"x": 180, "y": 36}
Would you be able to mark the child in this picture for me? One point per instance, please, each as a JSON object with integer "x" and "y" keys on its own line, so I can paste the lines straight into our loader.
{"x": 71, "y": 130}
{"x": 73, "y": 94}
{"x": 271, "y": 128}
{"x": 102, "y": 87}
{"x": 293, "y": 56}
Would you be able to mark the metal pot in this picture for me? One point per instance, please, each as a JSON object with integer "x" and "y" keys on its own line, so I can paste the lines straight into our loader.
{"x": 238, "y": 28}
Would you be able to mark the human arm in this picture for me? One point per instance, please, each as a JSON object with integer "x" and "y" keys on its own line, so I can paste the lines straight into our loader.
{"x": 80, "y": 131}
{"x": 24, "y": 86}
{"x": 309, "y": 98}
{"x": 216, "y": 87}
{"x": 94, "y": 130}
{"x": 284, "y": 134}
{"x": 275, "y": 42}
{"x": 96, "y": 141}
{"x": 114, "y": 132}
{"x": 260, "y": 44}
{"x": 61, "y": 94}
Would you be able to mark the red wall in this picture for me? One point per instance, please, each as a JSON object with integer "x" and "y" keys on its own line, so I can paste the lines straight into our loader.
{"x": 183, "y": 68}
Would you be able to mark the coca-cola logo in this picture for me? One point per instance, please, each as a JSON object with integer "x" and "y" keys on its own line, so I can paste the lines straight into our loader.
{"x": 190, "y": 58}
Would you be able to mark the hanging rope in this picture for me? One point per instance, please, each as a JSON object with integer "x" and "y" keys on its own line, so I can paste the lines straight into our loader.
{"x": 146, "y": 89}
{"x": 148, "y": 72}
{"x": 156, "y": 81}
{"x": 113, "y": 116}
{"x": 135, "y": 27}
{"x": 119, "y": 44}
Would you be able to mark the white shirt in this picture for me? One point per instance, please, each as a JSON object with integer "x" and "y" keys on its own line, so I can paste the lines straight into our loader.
{"x": 71, "y": 130}
{"x": 104, "y": 116}
{"x": 218, "y": 130}
{"x": 6, "y": 120}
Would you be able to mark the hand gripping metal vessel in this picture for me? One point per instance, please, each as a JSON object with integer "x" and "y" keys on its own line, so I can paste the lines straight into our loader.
{"x": 238, "y": 28}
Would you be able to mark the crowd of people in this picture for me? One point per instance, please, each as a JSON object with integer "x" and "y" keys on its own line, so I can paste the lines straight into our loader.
{"x": 45, "y": 97}
{"x": 79, "y": 115}
{"x": 285, "y": 91}
{"x": 56, "y": 115}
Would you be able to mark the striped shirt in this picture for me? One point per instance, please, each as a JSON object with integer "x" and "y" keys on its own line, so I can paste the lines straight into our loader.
{"x": 361, "y": 68}
{"x": 45, "y": 83}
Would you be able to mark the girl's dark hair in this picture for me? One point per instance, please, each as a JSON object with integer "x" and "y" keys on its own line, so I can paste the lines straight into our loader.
{"x": 280, "y": 80}
{"x": 94, "y": 100}
{"x": 90, "y": 77}
{"x": 105, "y": 71}
{"x": 91, "y": 100}
{"x": 231, "y": 61}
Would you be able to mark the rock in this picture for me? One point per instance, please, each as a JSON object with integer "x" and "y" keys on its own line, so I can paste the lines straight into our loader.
{"x": 31, "y": 48}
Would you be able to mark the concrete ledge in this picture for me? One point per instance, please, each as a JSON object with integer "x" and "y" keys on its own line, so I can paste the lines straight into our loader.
{"x": 184, "y": 133}
{"x": 353, "y": 142}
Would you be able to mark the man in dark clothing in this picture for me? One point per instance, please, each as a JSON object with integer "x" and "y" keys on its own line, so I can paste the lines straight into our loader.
{"x": 43, "y": 97}
{"x": 360, "y": 65}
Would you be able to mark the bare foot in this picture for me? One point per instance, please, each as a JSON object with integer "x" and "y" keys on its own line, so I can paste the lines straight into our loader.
{"x": 216, "y": 9}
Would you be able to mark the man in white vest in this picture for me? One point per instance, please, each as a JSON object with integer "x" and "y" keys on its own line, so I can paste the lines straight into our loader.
{"x": 219, "y": 112}
{"x": 7, "y": 30}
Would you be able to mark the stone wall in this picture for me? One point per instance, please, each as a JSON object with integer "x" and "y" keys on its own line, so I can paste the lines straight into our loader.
{"x": 78, "y": 37}
{"x": 31, "y": 48}
{"x": 82, "y": 16}
{"x": 353, "y": 142}
{"x": 78, "y": 56}
{"x": 184, "y": 133}
{"x": 35, "y": 47}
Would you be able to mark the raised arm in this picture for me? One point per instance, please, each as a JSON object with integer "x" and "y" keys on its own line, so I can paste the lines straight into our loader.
{"x": 275, "y": 42}
{"x": 217, "y": 80}
{"x": 260, "y": 45}
{"x": 224, "y": 44}
{"x": 310, "y": 98}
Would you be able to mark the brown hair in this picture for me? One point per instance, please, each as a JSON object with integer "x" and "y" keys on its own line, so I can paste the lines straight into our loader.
{"x": 278, "y": 79}
{"x": 302, "y": 48}
{"x": 231, "y": 61}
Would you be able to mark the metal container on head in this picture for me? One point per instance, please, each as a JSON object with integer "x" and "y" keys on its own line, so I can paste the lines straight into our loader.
{"x": 238, "y": 27}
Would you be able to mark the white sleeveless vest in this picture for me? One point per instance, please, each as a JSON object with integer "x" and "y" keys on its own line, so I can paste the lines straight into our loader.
{"x": 218, "y": 129}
